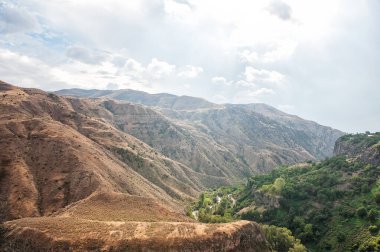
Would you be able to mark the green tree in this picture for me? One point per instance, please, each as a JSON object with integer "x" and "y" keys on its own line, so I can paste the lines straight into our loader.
{"x": 373, "y": 214}
{"x": 361, "y": 212}
{"x": 278, "y": 185}
{"x": 377, "y": 197}
{"x": 281, "y": 239}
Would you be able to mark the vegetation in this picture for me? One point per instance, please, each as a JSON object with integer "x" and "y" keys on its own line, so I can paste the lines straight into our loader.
{"x": 364, "y": 139}
{"x": 332, "y": 205}
{"x": 281, "y": 239}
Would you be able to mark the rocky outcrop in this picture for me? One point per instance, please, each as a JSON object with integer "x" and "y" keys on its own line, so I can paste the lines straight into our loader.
{"x": 364, "y": 147}
{"x": 265, "y": 199}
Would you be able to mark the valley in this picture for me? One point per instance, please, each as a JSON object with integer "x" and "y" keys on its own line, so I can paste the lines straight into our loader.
{"x": 107, "y": 173}
{"x": 331, "y": 205}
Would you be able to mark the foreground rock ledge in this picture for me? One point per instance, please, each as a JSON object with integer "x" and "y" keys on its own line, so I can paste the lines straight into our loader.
{"x": 73, "y": 234}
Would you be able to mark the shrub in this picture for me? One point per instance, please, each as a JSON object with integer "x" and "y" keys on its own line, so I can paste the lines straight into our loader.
{"x": 361, "y": 212}
{"x": 373, "y": 214}
{"x": 377, "y": 197}
{"x": 373, "y": 229}
{"x": 341, "y": 237}
{"x": 251, "y": 215}
{"x": 281, "y": 239}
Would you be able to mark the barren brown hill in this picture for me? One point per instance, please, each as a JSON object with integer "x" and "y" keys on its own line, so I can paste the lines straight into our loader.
{"x": 54, "y": 156}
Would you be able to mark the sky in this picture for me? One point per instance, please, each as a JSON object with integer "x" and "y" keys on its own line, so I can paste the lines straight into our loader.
{"x": 318, "y": 59}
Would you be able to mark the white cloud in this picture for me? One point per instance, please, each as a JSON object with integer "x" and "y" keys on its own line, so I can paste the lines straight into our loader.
{"x": 261, "y": 75}
{"x": 159, "y": 69}
{"x": 189, "y": 71}
{"x": 249, "y": 56}
{"x": 86, "y": 55}
{"x": 272, "y": 53}
{"x": 180, "y": 12}
{"x": 15, "y": 19}
{"x": 220, "y": 80}
{"x": 25, "y": 71}
{"x": 133, "y": 68}
{"x": 244, "y": 83}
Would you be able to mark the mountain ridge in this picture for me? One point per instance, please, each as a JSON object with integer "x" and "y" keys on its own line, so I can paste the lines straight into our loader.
{"x": 266, "y": 136}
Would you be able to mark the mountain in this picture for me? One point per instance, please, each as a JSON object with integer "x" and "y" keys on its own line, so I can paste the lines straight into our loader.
{"x": 72, "y": 181}
{"x": 331, "y": 205}
{"x": 224, "y": 140}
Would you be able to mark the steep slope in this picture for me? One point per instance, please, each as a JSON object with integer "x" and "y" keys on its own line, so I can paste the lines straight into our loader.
{"x": 46, "y": 135}
{"x": 47, "y": 162}
{"x": 219, "y": 139}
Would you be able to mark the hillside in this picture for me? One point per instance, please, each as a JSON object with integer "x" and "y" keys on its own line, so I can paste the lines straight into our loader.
{"x": 53, "y": 156}
{"x": 70, "y": 181}
{"x": 332, "y": 205}
{"x": 232, "y": 141}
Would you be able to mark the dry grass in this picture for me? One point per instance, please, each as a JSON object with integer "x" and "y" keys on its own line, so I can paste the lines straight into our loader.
{"x": 87, "y": 235}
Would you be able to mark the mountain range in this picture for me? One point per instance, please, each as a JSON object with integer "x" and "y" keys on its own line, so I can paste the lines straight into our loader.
{"x": 224, "y": 140}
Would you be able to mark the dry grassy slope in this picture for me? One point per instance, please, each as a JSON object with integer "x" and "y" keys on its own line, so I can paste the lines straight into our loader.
{"x": 71, "y": 234}
{"x": 53, "y": 156}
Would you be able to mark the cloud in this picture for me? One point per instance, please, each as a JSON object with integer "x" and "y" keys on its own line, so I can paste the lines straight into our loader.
{"x": 220, "y": 80}
{"x": 86, "y": 55}
{"x": 26, "y": 71}
{"x": 15, "y": 19}
{"x": 159, "y": 69}
{"x": 270, "y": 54}
{"x": 133, "y": 68}
{"x": 261, "y": 75}
{"x": 280, "y": 9}
{"x": 177, "y": 11}
{"x": 190, "y": 72}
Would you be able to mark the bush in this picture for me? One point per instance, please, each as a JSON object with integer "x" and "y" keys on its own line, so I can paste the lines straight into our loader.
{"x": 281, "y": 239}
{"x": 251, "y": 215}
{"x": 377, "y": 197}
{"x": 341, "y": 237}
{"x": 361, "y": 212}
{"x": 373, "y": 214}
{"x": 373, "y": 229}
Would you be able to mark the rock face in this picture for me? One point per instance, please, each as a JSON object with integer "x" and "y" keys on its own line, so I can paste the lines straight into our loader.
{"x": 225, "y": 140}
{"x": 365, "y": 147}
